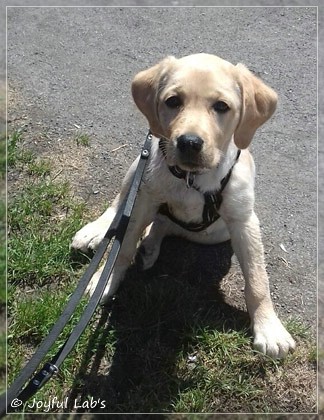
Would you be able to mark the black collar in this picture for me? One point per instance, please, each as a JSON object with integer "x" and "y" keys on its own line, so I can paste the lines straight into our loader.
{"x": 213, "y": 200}
{"x": 175, "y": 170}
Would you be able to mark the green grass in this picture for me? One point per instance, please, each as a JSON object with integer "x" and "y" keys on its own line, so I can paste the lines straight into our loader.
{"x": 2, "y": 254}
{"x": 3, "y": 159}
{"x": 28, "y": 329}
{"x": 82, "y": 139}
{"x": 3, "y": 164}
{"x": 2, "y": 263}
{"x": 16, "y": 153}
{"x": 165, "y": 344}
{"x": 42, "y": 220}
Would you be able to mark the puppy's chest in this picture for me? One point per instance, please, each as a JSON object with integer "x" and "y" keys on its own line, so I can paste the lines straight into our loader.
{"x": 185, "y": 203}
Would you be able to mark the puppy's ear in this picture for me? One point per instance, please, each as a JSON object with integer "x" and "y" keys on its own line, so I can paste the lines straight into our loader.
{"x": 145, "y": 90}
{"x": 259, "y": 102}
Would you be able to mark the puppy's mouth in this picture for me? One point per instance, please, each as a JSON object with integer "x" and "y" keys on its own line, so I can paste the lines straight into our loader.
{"x": 195, "y": 162}
{"x": 186, "y": 160}
{"x": 189, "y": 166}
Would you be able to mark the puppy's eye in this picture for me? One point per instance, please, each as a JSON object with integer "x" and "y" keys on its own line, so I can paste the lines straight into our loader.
{"x": 221, "y": 107}
{"x": 173, "y": 102}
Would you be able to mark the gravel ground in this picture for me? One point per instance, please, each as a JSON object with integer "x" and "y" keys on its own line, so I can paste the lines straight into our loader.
{"x": 72, "y": 67}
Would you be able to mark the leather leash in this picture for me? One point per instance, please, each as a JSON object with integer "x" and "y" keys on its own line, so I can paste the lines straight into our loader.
{"x": 116, "y": 232}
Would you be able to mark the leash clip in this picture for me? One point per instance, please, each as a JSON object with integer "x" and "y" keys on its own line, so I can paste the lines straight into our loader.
{"x": 48, "y": 370}
{"x": 190, "y": 178}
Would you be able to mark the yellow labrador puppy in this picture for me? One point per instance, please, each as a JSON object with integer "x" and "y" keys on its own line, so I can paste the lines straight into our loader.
{"x": 199, "y": 182}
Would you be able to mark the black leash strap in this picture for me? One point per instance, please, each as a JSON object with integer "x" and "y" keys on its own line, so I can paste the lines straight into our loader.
{"x": 17, "y": 395}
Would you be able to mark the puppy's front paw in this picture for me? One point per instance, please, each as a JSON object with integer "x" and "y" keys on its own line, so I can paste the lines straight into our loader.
{"x": 272, "y": 339}
{"x": 89, "y": 237}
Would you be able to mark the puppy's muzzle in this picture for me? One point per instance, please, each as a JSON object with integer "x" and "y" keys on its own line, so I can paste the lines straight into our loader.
{"x": 189, "y": 147}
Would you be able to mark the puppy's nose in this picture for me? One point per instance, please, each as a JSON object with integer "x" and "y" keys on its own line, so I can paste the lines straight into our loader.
{"x": 188, "y": 143}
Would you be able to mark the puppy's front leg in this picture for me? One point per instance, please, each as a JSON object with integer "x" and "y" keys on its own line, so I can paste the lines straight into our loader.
{"x": 270, "y": 337}
{"x": 142, "y": 215}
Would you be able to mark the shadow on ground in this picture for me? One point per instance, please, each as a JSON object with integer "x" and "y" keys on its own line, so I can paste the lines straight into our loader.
{"x": 150, "y": 321}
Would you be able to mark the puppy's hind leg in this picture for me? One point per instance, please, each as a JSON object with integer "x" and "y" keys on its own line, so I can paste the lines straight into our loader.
{"x": 149, "y": 249}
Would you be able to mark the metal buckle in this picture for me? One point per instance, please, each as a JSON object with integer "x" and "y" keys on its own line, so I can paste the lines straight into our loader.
{"x": 190, "y": 178}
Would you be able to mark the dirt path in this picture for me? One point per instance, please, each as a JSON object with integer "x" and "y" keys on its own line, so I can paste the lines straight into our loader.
{"x": 71, "y": 71}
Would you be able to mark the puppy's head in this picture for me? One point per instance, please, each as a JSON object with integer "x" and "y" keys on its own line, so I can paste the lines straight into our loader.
{"x": 198, "y": 104}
